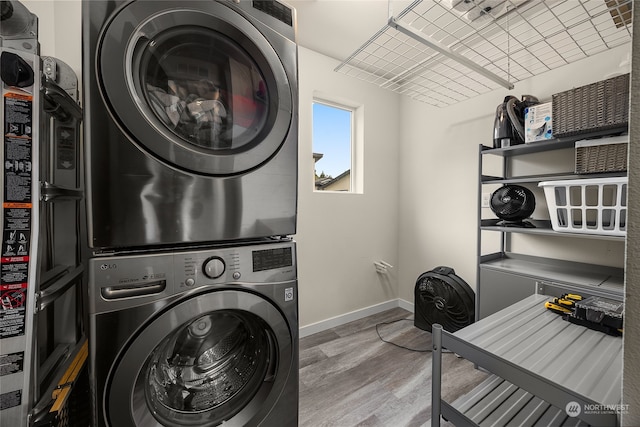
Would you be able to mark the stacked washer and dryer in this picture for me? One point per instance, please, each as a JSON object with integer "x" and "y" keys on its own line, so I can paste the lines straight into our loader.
{"x": 191, "y": 143}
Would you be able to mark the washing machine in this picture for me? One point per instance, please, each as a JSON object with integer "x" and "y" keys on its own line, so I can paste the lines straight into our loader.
{"x": 191, "y": 121}
{"x": 195, "y": 338}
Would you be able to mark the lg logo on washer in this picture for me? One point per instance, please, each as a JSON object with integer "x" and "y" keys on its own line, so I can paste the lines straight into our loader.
{"x": 288, "y": 294}
{"x": 108, "y": 266}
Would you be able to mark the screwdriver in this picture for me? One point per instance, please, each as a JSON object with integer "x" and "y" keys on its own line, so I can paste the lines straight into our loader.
{"x": 567, "y": 303}
{"x": 556, "y": 308}
{"x": 574, "y": 297}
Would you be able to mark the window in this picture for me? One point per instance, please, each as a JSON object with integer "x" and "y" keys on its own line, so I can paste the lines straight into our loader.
{"x": 335, "y": 147}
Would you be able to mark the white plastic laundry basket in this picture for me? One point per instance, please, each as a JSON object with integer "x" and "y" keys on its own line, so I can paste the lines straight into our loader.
{"x": 590, "y": 206}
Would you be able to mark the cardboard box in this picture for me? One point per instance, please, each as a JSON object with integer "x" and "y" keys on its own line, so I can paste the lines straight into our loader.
{"x": 538, "y": 123}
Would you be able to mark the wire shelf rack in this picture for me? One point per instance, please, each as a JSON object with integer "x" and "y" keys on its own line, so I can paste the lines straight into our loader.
{"x": 490, "y": 43}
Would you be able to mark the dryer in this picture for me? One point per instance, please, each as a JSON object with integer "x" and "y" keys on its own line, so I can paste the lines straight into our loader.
{"x": 191, "y": 123}
{"x": 195, "y": 338}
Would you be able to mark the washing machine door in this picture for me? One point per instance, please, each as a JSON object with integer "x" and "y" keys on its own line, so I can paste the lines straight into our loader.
{"x": 218, "y": 357}
{"x": 196, "y": 84}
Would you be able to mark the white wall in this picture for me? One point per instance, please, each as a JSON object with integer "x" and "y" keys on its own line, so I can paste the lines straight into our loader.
{"x": 341, "y": 235}
{"x": 438, "y": 178}
{"x": 59, "y": 30}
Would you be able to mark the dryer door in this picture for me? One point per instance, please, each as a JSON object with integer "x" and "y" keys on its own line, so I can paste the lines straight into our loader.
{"x": 218, "y": 357}
{"x": 195, "y": 84}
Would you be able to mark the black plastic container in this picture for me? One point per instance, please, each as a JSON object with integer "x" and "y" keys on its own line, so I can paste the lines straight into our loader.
{"x": 600, "y": 311}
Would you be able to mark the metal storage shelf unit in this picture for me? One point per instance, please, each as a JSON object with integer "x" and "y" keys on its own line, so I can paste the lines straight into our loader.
{"x": 442, "y": 52}
{"x": 540, "y": 355}
{"x": 504, "y": 277}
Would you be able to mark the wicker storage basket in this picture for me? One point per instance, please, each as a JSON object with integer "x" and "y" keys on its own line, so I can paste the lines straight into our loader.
{"x": 595, "y": 107}
{"x": 602, "y": 155}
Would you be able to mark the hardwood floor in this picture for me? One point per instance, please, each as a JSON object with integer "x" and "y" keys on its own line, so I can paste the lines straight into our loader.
{"x": 349, "y": 377}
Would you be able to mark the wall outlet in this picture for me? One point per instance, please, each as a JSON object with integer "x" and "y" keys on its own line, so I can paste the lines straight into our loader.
{"x": 486, "y": 198}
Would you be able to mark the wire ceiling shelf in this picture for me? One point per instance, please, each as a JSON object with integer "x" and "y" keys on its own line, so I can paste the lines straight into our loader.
{"x": 442, "y": 52}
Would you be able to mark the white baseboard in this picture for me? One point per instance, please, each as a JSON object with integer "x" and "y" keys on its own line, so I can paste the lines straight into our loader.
{"x": 409, "y": 306}
{"x": 332, "y": 322}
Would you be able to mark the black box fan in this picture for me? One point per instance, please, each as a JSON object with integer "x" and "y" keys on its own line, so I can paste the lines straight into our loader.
{"x": 444, "y": 298}
{"x": 512, "y": 204}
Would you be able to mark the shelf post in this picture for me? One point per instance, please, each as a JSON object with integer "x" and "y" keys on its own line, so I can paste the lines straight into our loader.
{"x": 479, "y": 232}
{"x": 436, "y": 374}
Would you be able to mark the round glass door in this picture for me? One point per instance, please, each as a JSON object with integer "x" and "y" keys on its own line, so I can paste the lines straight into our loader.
{"x": 209, "y": 367}
{"x": 218, "y": 357}
{"x": 198, "y": 86}
{"x": 205, "y": 88}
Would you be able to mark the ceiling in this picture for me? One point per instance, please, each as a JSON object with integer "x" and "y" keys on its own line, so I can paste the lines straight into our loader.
{"x": 336, "y": 28}
{"x": 444, "y": 51}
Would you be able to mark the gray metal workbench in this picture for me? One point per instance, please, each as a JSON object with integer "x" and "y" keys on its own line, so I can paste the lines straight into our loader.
{"x": 544, "y": 367}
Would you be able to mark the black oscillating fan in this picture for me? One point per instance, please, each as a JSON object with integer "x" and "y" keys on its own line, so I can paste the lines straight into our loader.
{"x": 512, "y": 204}
{"x": 444, "y": 298}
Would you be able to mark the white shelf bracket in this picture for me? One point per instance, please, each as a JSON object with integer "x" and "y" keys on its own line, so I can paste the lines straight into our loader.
{"x": 439, "y": 47}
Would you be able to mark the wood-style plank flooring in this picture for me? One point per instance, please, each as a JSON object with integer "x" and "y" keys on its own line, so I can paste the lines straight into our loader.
{"x": 349, "y": 377}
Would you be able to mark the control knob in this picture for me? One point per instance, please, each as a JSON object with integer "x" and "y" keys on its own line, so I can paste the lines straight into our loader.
{"x": 213, "y": 267}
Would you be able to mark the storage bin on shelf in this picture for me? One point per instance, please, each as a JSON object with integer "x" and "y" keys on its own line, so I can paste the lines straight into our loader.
{"x": 602, "y": 155}
{"x": 595, "y": 107}
{"x": 589, "y": 206}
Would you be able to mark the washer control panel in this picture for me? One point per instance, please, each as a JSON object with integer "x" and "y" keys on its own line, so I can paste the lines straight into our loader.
{"x": 214, "y": 267}
{"x": 118, "y": 279}
{"x": 266, "y": 262}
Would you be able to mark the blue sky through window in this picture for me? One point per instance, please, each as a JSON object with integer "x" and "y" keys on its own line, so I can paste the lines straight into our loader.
{"x": 332, "y": 139}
